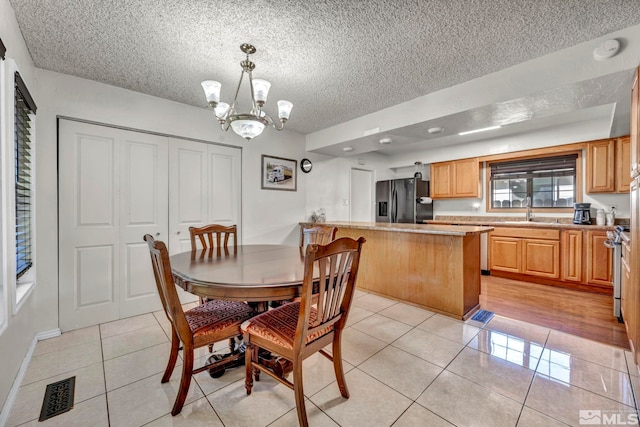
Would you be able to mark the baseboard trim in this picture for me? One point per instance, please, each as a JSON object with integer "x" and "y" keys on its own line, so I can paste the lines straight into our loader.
{"x": 13, "y": 393}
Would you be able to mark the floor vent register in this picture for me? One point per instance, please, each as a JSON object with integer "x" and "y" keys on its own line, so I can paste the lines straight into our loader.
{"x": 58, "y": 398}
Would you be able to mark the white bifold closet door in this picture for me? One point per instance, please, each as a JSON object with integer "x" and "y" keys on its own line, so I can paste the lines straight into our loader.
{"x": 204, "y": 181}
{"x": 115, "y": 186}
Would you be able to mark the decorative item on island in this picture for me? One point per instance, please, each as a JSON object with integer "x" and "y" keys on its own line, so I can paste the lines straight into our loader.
{"x": 436, "y": 267}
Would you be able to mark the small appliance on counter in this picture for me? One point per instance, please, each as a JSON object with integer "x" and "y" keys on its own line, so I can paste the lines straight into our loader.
{"x": 582, "y": 213}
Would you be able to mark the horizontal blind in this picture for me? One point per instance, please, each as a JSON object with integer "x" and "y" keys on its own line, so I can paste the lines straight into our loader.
{"x": 23, "y": 108}
{"x": 535, "y": 168}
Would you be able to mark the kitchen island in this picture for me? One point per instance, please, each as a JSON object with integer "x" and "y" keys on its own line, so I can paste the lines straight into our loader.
{"x": 436, "y": 267}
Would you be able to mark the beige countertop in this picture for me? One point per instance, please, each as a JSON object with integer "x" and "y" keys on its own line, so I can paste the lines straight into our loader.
{"x": 441, "y": 229}
{"x": 495, "y": 221}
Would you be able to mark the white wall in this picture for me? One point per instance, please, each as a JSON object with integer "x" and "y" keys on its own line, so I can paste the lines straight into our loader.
{"x": 267, "y": 216}
{"x": 20, "y": 327}
{"x": 328, "y": 183}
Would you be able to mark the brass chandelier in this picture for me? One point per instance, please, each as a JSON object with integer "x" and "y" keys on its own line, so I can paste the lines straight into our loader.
{"x": 251, "y": 124}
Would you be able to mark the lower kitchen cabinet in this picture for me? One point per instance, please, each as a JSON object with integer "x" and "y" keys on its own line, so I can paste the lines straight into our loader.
{"x": 599, "y": 257}
{"x": 571, "y": 257}
{"x": 525, "y": 251}
{"x": 541, "y": 258}
{"x": 505, "y": 254}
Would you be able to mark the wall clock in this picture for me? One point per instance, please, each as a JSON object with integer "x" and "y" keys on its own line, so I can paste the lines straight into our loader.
{"x": 306, "y": 165}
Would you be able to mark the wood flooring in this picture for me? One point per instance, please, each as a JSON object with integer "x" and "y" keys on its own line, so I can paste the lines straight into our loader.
{"x": 578, "y": 313}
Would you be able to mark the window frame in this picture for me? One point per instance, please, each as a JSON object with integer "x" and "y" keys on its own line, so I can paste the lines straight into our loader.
{"x": 568, "y": 209}
{"x": 18, "y": 290}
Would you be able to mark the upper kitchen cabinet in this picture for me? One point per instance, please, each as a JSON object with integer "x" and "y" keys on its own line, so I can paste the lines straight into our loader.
{"x": 600, "y": 162}
{"x": 623, "y": 164}
{"x": 455, "y": 179}
{"x": 608, "y": 163}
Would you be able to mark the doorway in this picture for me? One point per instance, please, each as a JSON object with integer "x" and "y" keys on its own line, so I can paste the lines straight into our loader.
{"x": 361, "y": 194}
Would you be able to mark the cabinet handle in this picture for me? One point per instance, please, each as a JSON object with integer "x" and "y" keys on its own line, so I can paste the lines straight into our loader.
{"x": 178, "y": 232}
{"x": 157, "y": 234}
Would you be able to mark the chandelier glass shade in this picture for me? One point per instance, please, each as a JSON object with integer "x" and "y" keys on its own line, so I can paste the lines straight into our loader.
{"x": 251, "y": 124}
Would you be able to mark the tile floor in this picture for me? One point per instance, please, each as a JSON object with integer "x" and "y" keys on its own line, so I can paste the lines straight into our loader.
{"x": 404, "y": 367}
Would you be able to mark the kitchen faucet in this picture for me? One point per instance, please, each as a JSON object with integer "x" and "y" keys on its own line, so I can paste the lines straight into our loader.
{"x": 527, "y": 204}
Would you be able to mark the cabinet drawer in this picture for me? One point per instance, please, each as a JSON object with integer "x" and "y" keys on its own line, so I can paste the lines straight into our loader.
{"x": 527, "y": 233}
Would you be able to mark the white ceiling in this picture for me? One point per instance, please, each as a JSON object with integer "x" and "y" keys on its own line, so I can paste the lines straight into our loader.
{"x": 337, "y": 60}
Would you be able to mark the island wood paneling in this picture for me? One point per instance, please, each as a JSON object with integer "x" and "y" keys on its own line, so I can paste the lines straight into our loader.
{"x": 438, "y": 272}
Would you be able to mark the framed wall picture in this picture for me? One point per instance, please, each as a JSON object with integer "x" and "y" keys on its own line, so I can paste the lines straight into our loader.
{"x": 279, "y": 173}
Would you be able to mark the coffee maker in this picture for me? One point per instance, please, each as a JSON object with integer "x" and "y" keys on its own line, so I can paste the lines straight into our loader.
{"x": 582, "y": 213}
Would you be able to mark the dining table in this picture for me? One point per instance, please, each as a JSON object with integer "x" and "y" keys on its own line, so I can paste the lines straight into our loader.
{"x": 251, "y": 273}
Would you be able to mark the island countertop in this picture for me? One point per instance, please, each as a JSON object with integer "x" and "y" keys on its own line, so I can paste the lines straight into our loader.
{"x": 439, "y": 229}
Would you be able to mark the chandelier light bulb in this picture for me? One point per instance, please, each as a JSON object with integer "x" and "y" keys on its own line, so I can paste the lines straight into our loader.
{"x": 221, "y": 110}
{"x": 212, "y": 91}
{"x": 261, "y": 90}
{"x": 284, "y": 109}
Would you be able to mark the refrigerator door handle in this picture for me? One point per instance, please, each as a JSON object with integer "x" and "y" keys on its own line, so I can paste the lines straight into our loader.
{"x": 394, "y": 207}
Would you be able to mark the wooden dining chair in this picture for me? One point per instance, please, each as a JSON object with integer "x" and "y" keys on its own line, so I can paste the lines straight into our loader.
{"x": 214, "y": 236}
{"x": 201, "y": 326}
{"x": 297, "y": 330}
{"x": 318, "y": 234}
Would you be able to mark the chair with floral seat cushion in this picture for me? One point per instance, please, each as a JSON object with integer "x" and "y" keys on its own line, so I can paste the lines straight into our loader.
{"x": 208, "y": 323}
{"x": 296, "y": 330}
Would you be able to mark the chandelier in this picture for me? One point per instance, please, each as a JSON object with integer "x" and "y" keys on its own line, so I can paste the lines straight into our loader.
{"x": 251, "y": 124}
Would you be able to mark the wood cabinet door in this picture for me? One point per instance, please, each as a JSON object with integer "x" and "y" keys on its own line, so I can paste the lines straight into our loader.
{"x": 572, "y": 255}
{"x": 635, "y": 128}
{"x": 541, "y": 258}
{"x": 466, "y": 178}
{"x": 505, "y": 254}
{"x": 441, "y": 180}
{"x": 600, "y": 166}
{"x": 599, "y": 257}
{"x": 623, "y": 164}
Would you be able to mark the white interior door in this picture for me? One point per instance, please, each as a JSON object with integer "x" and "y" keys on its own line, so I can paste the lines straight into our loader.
{"x": 112, "y": 191}
{"x": 204, "y": 188}
{"x": 188, "y": 195}
{"x": 361, "y": 192}
{"x": 144, "y": 198}
{"x": 224, "y": 186}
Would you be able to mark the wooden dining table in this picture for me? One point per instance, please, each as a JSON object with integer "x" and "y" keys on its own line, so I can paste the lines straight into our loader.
{"x": 254, "y": 273}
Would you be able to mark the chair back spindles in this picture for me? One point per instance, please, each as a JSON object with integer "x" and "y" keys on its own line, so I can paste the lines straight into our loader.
{"x": 317, "y": 234}
{"x": 337, "y": 267}
{"x": 214, "y": 237}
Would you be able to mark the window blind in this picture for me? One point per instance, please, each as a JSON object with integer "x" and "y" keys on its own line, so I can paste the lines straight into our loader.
{"x": 24, "y": 107}
{"x": 550, "y": 166}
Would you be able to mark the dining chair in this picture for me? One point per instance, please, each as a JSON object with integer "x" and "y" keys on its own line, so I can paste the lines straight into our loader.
{"x": 200, "y": 326}
{"x": 296, "y": 330}
{"x": 318, "y": 234}
{"x": 214, "y": 236}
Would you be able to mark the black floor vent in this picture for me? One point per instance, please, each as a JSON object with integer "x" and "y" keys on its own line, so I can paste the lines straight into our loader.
{"x": 58, "y": 398}
{"x": 482, "y": 316}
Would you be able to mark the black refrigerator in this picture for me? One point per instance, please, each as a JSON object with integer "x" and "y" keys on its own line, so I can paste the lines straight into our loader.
{"x": 403, "y": 200}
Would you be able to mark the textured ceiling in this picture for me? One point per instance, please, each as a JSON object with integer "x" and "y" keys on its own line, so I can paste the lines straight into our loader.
{"x": 334, "y": 59}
